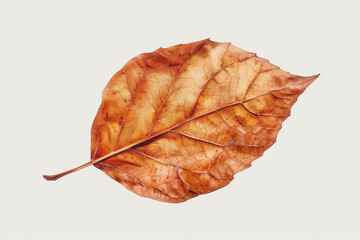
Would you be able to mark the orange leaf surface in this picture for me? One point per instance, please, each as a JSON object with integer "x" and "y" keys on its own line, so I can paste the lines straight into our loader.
{"x": 181, "y": 121}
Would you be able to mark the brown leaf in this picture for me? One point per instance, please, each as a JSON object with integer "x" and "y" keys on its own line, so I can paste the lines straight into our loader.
{"x": 181, "y": 121}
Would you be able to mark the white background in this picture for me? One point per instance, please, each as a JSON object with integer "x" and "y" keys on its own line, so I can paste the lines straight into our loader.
{"x": 57, "y": 56}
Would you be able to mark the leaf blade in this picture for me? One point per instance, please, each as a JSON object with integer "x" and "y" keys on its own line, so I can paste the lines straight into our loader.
{"x": 181, "y": 121}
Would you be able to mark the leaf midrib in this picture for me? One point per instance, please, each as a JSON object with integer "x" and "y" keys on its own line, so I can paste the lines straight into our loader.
{"x": 111, "y": 154}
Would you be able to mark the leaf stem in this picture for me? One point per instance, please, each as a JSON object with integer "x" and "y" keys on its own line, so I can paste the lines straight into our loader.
{"x": 92, "y": 162}
{"x": 57, "y": 176}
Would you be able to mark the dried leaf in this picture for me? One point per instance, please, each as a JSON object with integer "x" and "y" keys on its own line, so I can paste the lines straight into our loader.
{"x": 181, "y": 121}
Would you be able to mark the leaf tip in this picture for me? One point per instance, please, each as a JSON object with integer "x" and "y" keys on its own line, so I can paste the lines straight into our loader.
{"x": 313, "y": 78}
{"x": 310, "y": 79}
{"x": 316, "y": 76}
